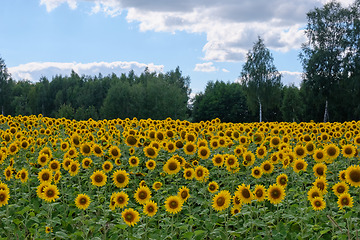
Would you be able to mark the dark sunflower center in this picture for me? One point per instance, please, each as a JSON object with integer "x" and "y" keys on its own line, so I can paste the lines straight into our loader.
{"x": 143, "y": 195}
{"x": 120, "y": 200}
{"x": 331, "y": 151}
{"x": 299, "y": 166}
{"x": 257, "y": 172}
{"x": 129, "y": 217}
{"x": 318, "y": 203}
{"x": 173, "y": 204}
{"x": 300, "y": 152}
{"x": 246, "y": 193}
{"x": 99, "y": 178}
{"x": 114, "y": 152}
{"x": 188, "y": 174}
{"x": 340, "y": 189}
{"x": 150, "y": 209}
{"x": 315, "y": 194}
{"x": 259, "y": 193}
{"x": 283, "y": 181}
{"x": 45, "y": 176}
{"x": 172, "y": 166}
{"x": 43, "y": 159}
{"x": 190, "y": 148}
{"x": 12, "y": 149}
{"x": 150, "y": 164}
{"x": 23, "y": 175}
{"x": 348, "y": 151}
{"x": 131, "y": 140}
{"x": 50, "y": 193}
{"x": 248, "y": 158}
{"x": 120, "y": 178}
{"x": 261, "y": 152}
{"x": 218, "y": 160}
{"x": 83, "y": 201}
{"x": 199, "y": 173}
{"x": 8, "y": 173}
{"x": 220, "y": 201}
{"x": 87, "y": 163}
{"x": 97, "y": 150}
{"x": 86, "y": 149}
{"x": 212, "y": 187}
{"x": 151, "y": 152}
{"x": 355, "y": 176}
{"x": 107, "y": 166}
{"x": 231, "y": 161}
{"x": 73, "y": 168}
{"x": 345, "y": 201}
{"x": 54, "y": 166}
{"x": 275, "y": 193}
{"x": 203, "y": 152}
{"x": 184, "y": 194}
{"x": 320, "y": 171}
{"x": 2, "y": 197}
{"x": 320, "y": 185}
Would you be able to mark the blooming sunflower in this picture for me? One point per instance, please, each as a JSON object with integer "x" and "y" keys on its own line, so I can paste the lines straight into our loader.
{"x": 57, "y": 177}
{"x": 121, "y": 199}
{"x": 98, "y": 178}
{"x": 172, "y": 166}
{"x": 86, "y": 163}
{"x": 204, "y": 152}
{"x": 97, "y": 150}
{"x": 134, "y": 161}
{"x": 319, "y": 155}
{"x": 120, "y": 178}
{"x": 340, "y": 188}
{"x": 300, "y": 151}
{"x": 256, "y": 172}
{"x": 156, "y": 185}
{"x": 150, "y": 152}
{"x": 150, "y": 164}
{"x": 221, "y": 201}
{"x": 64, "y": 146}
{"x": 299, "y": 165}
{"x": 189, "y": 173}
{"x": 332, "y": 152}
{"x": 348, "y": 151}
{"x": 170, "y": 147}
{"x": 345, "y": 200}
{"x": 248, "y": 158}
{"x": 261, "y": 152}
{"x": 150, "y": 208}
{"x": 8, "y": 173}
{"x": 218, "y": 160}
{"x": 74, "y": 168}
{"x": 50, "y": 193}
{"x": 4, "y": 197}
{"x": 130, "y": 216}
{"x": 114, "y": 152}
{"x": 275, "y": 142}
{"x": 320, "y": 170}
{"x": 313, "y": 193}
{"x": 54, "y": 165}
{"x": 267, "y": 167}
{"x": 244, "y": 193}
{"x": 45, "y": 175}
{"x": 66, "y": 162}
{"x": 173, "y": 204}
{"x": 85, "y": 149}
{"x": 342, "y": 175}
{"x": 24, "y": 175}
{"x": 183, "y": 193}
{"x": 352, "y": 175}
{"x": 259, "y": 193}
{"x": 276, "y": 194}
{"x": 189, "y": 148}
{"x": 318, "y": 203}
{"x": 48, "y": 229}
{"x": 213, "y": 187}
{"x": 201, "y": 173}
{"x": 142, "y": 195}
{"x": 231, "y": 161}
{"x": 282, "y": 180}
{"x": 43, "y": 159}
{"x": 235, "y": 210}
{"x": 131, "y": 141}
{"x": 107, "y": 166}
{"x": 82, "y": 201}
{"x": 321, "y": 183}
{"x": 239, "y": 150}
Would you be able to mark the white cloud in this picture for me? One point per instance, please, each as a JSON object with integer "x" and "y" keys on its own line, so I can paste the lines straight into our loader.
{"x": 34, "y": 70}
{"x": 205, "y": 67}
{"x": 225, "y": 70}
{"x": 289, "y": 78}
{"x": 231, "y": 26}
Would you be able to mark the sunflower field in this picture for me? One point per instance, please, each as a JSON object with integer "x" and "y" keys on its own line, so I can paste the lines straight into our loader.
{"x": 172, "y": 179}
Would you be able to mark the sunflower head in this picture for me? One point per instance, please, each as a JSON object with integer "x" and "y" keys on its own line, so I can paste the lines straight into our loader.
{"x": 82, "y": 201}
{"x": 98, "y": 178}
{"x": 244, "y": 193}
{"x": 345, "y": 200}
{"x": 184, "y": 193}
{"x": 221, "y": 201}
{"x": 173, "y": 204}
{"x": 213, "y": 187}
{"x": 276, "y": 194}
{"x": 318, "y": 203}
{"x": 142, "y": 195}
{"x": 352, "y": 175}
{"x": 130, "y": 216}
{"x": 150, "y": 208}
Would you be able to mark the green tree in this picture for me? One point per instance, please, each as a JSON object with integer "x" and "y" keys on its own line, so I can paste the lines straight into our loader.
{"x": 6, "y": 84}
{"x": 292, "y": 106}
{"x": 261, "y": 81}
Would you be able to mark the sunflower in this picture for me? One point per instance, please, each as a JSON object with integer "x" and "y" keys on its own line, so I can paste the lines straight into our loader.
{"x": 85, "y": 149}
{"x": 256, "y": 172}
{"x": 97, "y": 150}
{"x": 57, "y": 177}
{"x": 66, "y": 163}
{"x": 24, "y": 175}
{"x": 300, "y": 151}
{"x": 319, "y": 155}
{"x": 150, "y": 208}
{"x": 321, "y": 183}
{"x": 320, "y": 170}
{"x": 130, "y": 216}
{"x": 218, "y": 160}
{"x": 114, "y": 152}
{"x": 156, "y": 186}
{"x": 150, "y": 164}
{"x": 74, "y": 168}
{"x": 340, "y": 188}
{"x": 54, "y": 165}
{"x": 342, "y": 175}
{"x": 121, "y": 199}
{"x": 150, "y": 152}
{"x": 86, "y": 163}
{"x": 48, "y": 229}
{"x": 50, "y": 193}
{"x": 213, "y": 187}
{"x": 71, "y": 153}
{"x": 267, "y": 167}
{"x": 313, "y": 193}
{"x": 244, "y": 193}
{"x": 214, "y": 143}
{"x": 142, "y": 195}
{"x": 43, "y": 159}
{"x": 231, "y": 161}
{"x": 345, "y": 200}
{"x": 201, "y": 173}
{"x": 98, "y": 178}
{"x": 75, "y": 140}
{"x": 276, "y": 193}
{"x": 82, "y": 201}
{"x": 172, "y": 166}
{"x": 221, "y": 201}
{"x": 318, "y": 203}
{"x": 131, "y": 141}
{"x": 173, "y": 204}
{"x": 64, "y": 146}
{"x": 352, "y": 175}
{"x": 261, "y": 152}
{"x": 248, "y": 158}
{"x": 4, "y": 197}
{"x": 275, "y": 142}
{"x": 8, "y": 173}
{"x": 348, "y": 150}
{"x": 45, "y": 175}
{"x": 203, "y": 152}
{"x": 259, "y": 193}
{"x": 189, "y": 148}
{"x": 357, "y": 140}
{"x": 189, "y": 173}
{"x": 299, "y": 165}
{"x": 257, "y": 137}
{"x": 282, "y": 180}
{"x": 107, "y": 166}
{"x": 235, "y": 210}
{"x": 13, "y": 148}
{"x": 183, "y": 193}
{"x": 332, "y": 152}
{"x": 134, "y": 161}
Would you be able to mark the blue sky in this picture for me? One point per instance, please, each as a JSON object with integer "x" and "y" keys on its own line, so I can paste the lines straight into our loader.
{"x": 207, "y": 39}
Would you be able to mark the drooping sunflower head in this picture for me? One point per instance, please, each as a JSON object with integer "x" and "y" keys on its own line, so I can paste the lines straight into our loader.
{"x": 221, "y": 201}
{"x": 82, "y": 201}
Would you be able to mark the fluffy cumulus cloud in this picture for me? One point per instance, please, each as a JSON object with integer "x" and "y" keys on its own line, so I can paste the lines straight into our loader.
{"x": 291, "y": 78}
{"x": 231, "y": 26}
{"x": 205, "y": 67}
{"x": 35, "y": 70}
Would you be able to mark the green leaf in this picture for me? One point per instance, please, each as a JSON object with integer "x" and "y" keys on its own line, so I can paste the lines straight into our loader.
{"x": 188, "y": 235}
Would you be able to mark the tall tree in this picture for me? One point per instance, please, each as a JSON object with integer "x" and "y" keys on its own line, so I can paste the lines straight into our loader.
{"x": 261, "y": 80}
{"x": 325, "y": 55}
{"x": 4, "y": 87}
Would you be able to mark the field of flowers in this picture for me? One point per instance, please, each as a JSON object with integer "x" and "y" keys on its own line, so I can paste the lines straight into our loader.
{"x": 171, "y": 179}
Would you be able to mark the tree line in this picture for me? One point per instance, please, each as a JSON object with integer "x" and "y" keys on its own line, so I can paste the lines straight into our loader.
{"x": 329, "y": 91}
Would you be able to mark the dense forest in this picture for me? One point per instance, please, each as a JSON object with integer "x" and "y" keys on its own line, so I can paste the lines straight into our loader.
{"x": 329, "y": 91}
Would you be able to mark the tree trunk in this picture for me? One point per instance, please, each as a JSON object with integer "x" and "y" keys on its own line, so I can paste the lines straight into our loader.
{"x": 326, "y": 114}
{"x": 260, "y": 111}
